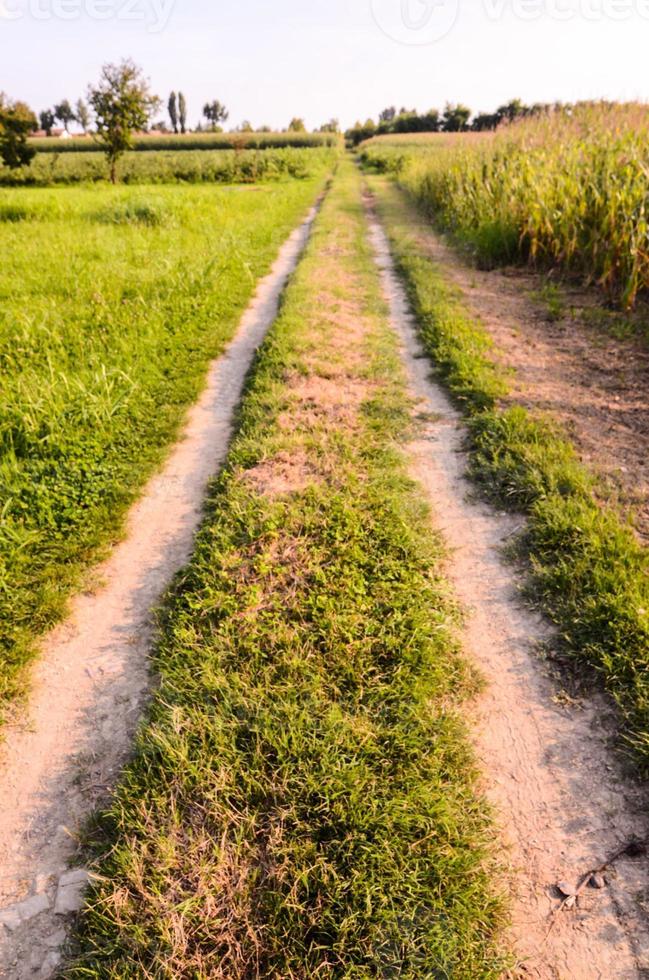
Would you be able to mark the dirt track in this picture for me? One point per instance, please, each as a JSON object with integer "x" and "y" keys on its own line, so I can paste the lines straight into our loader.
{"x": 561, "y": 800}
{"x": 90, "y": 682}
{"x": 560, "y": 797}
{"x": 594, "y": 384}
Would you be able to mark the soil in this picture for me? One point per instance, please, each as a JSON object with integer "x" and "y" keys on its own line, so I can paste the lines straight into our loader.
{"x": 91, "y": 680}
{"x": 556, "y": 786}
{"x": 594, "y": 384}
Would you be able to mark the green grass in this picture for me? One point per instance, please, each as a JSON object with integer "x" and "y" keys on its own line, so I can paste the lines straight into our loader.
{"x": 587, "y": 569}
{"x": 173, "y": 166}
{"x": 112, "y": 302}
{"x": 302, "y": 801}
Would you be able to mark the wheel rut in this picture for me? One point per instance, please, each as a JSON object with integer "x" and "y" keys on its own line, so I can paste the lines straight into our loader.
{"x": 91, "y": 680}
{"x": 561, "y": 800}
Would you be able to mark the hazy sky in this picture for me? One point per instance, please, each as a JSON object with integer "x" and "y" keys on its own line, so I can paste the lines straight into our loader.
{"x": 271, "y": 60}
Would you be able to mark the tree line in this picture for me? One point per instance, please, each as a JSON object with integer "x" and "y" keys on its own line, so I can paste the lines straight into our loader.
{"x": 117, "y": 107}
{"x": 455, "y": 118}
{"x": 121, "y": 104}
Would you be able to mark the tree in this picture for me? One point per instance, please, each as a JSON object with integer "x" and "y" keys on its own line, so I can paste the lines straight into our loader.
{"x": 512, "y": 110}
{"x": 65, "y": 113}
{"x": 82, "y": 114}
{"x": 16, "y": 121}
{"x": 172, "y": 106}
{"x": 246, "y": 127}
{"x": 333, "y": 126}
{"x": 485, "y": 121}
{"x": 456, "y": 118}
{"x": 296, "y": 125}
{"x": 429, "y": 122}
{"x": 182, "y": 112}
{"x": 47, "y": 119}
{"x": 388, "y": 114}
{"x": 122, "y": 102}
{"x": 361, "y": 131}
{"x": 215, "y": 112}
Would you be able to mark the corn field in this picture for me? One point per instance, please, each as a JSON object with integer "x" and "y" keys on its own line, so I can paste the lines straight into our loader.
{"x": 567, "y": 190}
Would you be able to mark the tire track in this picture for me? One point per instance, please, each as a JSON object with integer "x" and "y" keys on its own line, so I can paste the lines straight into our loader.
{"x": 563, "y": 804}
{"x": 91, "y": 680}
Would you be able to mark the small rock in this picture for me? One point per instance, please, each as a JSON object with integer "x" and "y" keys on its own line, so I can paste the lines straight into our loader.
{"x": 10, "y": 918}
{"x": 566, "y": 889}
{"x": 42, "y": 883}
{"x": 49, "y": 965}
{"x": 69, "y": 895}
{"x": 15, "y": 915}
{"x": 570, "y": 902}
{"x": 56, "y": 939}
{"x": 597, "y": 881}
{"x": 73, "y": 877}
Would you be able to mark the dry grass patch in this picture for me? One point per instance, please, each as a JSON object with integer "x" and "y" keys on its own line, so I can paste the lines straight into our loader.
{"x": 287, "y": 472}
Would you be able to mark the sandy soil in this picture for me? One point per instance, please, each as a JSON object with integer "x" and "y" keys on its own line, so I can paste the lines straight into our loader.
{"x": 91, "y": 680}
{"x": 557, "y": 789}
{"x": 594, "y": 384}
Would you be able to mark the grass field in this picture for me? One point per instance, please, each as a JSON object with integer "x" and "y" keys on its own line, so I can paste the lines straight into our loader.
{"x": 112, "y": 302}
{"x": 189, "y": 166}
{"x": 302, "y": 801}
{"x": 587, "y": 569}
{"x": 564, "y": 191}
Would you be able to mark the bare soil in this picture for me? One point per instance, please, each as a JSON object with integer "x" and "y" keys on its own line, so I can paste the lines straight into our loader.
{"x": 559, "y": 795}
{"x": 91, "y": 680}
{"x": 284, "y": 474}
{"x": 595, "y": 385}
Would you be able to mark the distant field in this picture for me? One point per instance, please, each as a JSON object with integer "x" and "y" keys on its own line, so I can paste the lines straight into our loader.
{"x": 178, "y": 166}
{"x": 112, "y": 302}
{"x": 565, "y": 191}
{"x": 195, "y": 141}
{"x": 428, "y": 141}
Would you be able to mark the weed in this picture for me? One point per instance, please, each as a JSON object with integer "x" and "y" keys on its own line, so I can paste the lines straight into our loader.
{"x": 172, "y": 167}
{"x": 552, "y": 298}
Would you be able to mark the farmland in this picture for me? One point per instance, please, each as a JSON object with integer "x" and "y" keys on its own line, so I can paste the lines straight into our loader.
{"x": 589, "y": 571}
{"x": 190, "y": 166}
{"x": 113, "y": 302}
{"x": 561, "y": 190}
{"x": 152, "y": 142}
{"x": 348, "y": 729}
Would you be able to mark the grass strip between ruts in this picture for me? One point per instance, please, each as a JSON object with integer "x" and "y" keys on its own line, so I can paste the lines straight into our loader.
{"x": 302, "y": 802}
{"x": 588, "y": 571}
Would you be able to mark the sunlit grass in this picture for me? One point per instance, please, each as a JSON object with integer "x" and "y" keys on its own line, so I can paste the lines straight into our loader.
{"x": 112, "y": 302}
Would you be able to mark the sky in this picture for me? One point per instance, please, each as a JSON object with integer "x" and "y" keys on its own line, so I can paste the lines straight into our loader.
{"x": 318, "y": 59}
